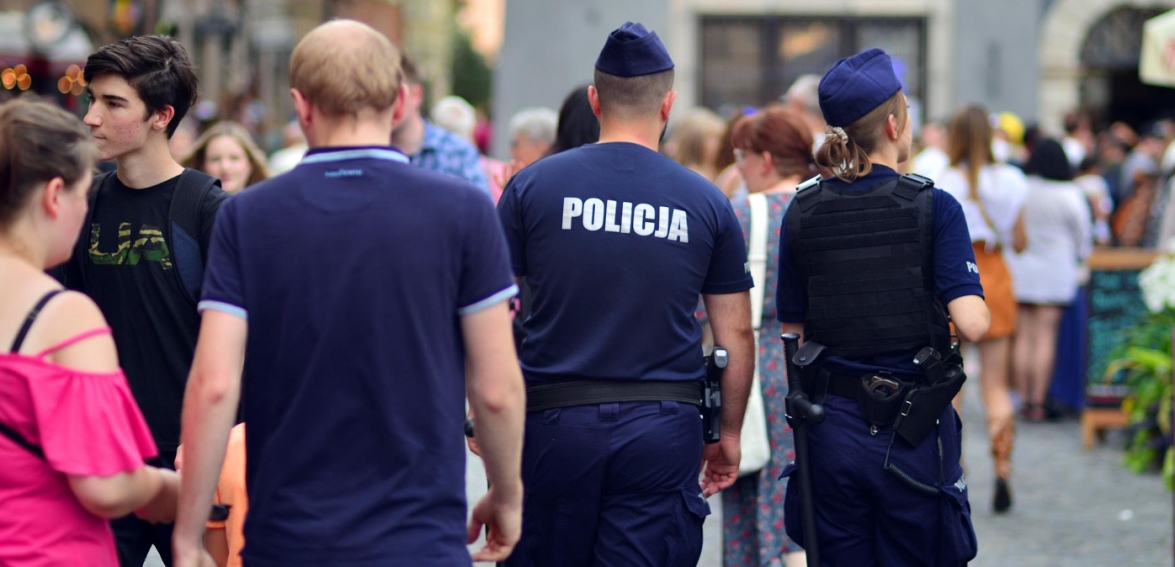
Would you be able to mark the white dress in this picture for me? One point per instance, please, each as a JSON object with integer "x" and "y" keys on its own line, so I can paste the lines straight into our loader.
{"x": 1060, "y": 237}
{"x": 931, "y": 162}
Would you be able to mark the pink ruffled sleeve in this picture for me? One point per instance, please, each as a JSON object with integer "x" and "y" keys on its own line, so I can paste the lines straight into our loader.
{"x": 89, "y": 424}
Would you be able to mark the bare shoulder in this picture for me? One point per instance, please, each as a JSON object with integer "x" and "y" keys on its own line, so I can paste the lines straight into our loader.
{"x": 66, "y": 317}
{"x": 73, "y": 312}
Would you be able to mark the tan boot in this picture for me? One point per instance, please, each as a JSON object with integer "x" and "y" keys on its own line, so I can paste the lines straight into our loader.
{"x": 1002, "y": 430}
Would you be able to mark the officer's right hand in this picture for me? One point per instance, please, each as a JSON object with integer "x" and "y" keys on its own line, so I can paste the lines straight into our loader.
{"x": 721, "y": 464}
{"x": 473, "y": 446}
{"x": 502, "y": 512}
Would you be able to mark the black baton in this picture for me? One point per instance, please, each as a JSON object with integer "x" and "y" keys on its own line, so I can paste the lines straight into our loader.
{"x": 802, "y": 412}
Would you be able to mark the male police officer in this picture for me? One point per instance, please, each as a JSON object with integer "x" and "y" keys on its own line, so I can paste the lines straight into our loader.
{"x": 867, "y": 262}
{"x": 616, "y": 242}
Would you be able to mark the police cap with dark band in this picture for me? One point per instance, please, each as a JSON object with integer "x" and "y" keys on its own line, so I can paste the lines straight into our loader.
{"x": 856, "y": 85}
{"x": 633, "y": 51}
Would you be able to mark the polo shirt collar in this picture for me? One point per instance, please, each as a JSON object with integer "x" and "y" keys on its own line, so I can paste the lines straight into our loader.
{"x": 332, "y": 154}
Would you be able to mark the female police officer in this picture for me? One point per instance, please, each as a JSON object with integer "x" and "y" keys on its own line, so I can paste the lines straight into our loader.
{"x": 868, "y": 259}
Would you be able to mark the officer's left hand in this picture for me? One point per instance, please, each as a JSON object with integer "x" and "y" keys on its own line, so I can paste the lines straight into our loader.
{"x": 502, "y": 513}
{"x": 721, "y": 464}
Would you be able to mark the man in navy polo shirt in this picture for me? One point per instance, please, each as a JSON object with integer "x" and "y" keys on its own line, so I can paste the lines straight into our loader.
{"x": 371, "y": 296}
{"x": 617, "y": 241}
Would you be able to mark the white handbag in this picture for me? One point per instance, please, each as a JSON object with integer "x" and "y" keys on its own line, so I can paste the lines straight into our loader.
{"x": 756, "y": 449}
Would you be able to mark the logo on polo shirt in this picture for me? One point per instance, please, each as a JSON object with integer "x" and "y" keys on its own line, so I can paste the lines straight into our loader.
{"x": 972, "y": 267}
{"x": 344, "y": 173}
{"x": 627, "y": 218}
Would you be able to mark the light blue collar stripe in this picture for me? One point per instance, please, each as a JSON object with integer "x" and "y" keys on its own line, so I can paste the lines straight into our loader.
{"x": 326, "y": 157}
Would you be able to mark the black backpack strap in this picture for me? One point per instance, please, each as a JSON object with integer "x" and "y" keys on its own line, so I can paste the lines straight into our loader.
{"x": 184, "y": 221}
{"x": 28, "y": 321}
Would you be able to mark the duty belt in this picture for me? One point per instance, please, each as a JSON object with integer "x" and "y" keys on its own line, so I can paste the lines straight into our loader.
{"x": 589, "y": 392}
{"x": 911, "y": 407}
{"x": 850, "y": 386}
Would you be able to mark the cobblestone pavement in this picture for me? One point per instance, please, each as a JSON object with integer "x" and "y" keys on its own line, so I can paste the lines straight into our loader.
{"x": 1072, "y": 508}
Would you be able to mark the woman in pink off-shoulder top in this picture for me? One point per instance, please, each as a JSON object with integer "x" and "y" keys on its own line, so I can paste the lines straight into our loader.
{"x": 72, "y": 440}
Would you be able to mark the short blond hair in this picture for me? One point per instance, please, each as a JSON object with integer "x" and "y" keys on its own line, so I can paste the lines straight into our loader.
{"x": 344, "y": 66}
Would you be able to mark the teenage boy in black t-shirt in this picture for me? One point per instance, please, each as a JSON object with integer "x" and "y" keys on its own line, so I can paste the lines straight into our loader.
{"x": 135, "y": 259}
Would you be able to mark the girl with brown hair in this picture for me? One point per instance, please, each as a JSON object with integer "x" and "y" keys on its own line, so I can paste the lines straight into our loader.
{"x": 73, "y": 442}
{"x": 992, "y": 196}
{"x": 773, "y": 150}
{"x": 226, "y": 151}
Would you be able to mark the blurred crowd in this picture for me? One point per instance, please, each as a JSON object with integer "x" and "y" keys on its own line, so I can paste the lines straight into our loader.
{"x": 1124, "y": 171}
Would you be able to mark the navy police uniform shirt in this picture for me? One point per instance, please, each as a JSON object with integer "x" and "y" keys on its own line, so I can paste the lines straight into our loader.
{"x": 354, "y": 271}
{"x": 616, "y": 242}
{"x": 955, "y": 272}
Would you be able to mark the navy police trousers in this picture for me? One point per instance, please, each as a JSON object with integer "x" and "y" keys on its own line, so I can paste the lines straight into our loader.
{"x": 612, "y": 484}
{"x": 868, "y": 517}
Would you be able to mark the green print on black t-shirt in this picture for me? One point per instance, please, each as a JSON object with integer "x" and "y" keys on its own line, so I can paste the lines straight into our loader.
{"x": 149, "y": 244}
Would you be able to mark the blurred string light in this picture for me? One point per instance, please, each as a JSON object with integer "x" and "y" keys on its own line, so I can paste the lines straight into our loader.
{"x": 16, "y": 78}
{"x": 73, "y": 82}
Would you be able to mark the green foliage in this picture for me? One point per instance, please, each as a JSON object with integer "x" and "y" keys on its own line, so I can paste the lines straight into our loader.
{"x": 1145, "y": 361}
{"x": 472, "y": 78}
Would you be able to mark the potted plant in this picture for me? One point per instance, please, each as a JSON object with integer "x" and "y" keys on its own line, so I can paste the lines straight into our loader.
{"x": 1146, "y": 360}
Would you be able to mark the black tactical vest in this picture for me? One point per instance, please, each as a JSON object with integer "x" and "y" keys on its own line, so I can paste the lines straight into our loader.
{"x": 867, "y": 257}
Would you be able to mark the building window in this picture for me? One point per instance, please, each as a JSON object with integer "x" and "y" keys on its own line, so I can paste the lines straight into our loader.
{"x": 750, "y": 61}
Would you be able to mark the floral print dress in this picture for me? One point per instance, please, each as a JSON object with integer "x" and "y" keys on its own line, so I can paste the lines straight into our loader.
{"x": 752, "y": 508}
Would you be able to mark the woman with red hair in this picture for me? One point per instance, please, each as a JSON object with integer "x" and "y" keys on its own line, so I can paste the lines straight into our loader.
{"x": 773, "y": 152}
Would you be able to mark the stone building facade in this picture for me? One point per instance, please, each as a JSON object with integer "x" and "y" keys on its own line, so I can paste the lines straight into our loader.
{"x": 1037, "y": 58}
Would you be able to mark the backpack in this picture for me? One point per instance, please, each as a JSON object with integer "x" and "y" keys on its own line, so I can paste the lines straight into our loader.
{"x": 182, "y": 232}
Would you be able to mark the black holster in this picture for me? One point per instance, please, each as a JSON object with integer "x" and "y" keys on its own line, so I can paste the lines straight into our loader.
{"x": 922, "y": 406}
{"x": 711, "y": 406}
{"x": 878, "y": 407}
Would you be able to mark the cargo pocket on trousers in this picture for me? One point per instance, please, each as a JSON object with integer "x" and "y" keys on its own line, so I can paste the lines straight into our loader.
{"x": 957, "y": 542}
{"x": 791, "y": 504}
{"x": 685, "y": 544}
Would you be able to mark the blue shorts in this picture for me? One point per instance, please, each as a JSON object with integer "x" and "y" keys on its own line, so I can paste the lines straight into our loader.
{"x": 610, "y": 485}
{"x": 865, "y": 515}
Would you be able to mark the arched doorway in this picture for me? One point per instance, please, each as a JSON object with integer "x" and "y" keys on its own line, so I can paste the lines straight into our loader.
{"x": 1065, "y": 79}
{"x": 1110, "y": 88}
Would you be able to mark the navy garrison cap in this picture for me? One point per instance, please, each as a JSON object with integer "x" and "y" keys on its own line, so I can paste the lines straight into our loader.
{"x": 632, "y": 51}
{"x": 856, "y": 85}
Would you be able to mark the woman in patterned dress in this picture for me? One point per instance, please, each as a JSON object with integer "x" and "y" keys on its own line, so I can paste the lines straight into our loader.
{"x": 773, "y": 148}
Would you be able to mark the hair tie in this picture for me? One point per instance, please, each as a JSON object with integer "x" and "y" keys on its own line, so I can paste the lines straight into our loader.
{"x": 837, "y": 132}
